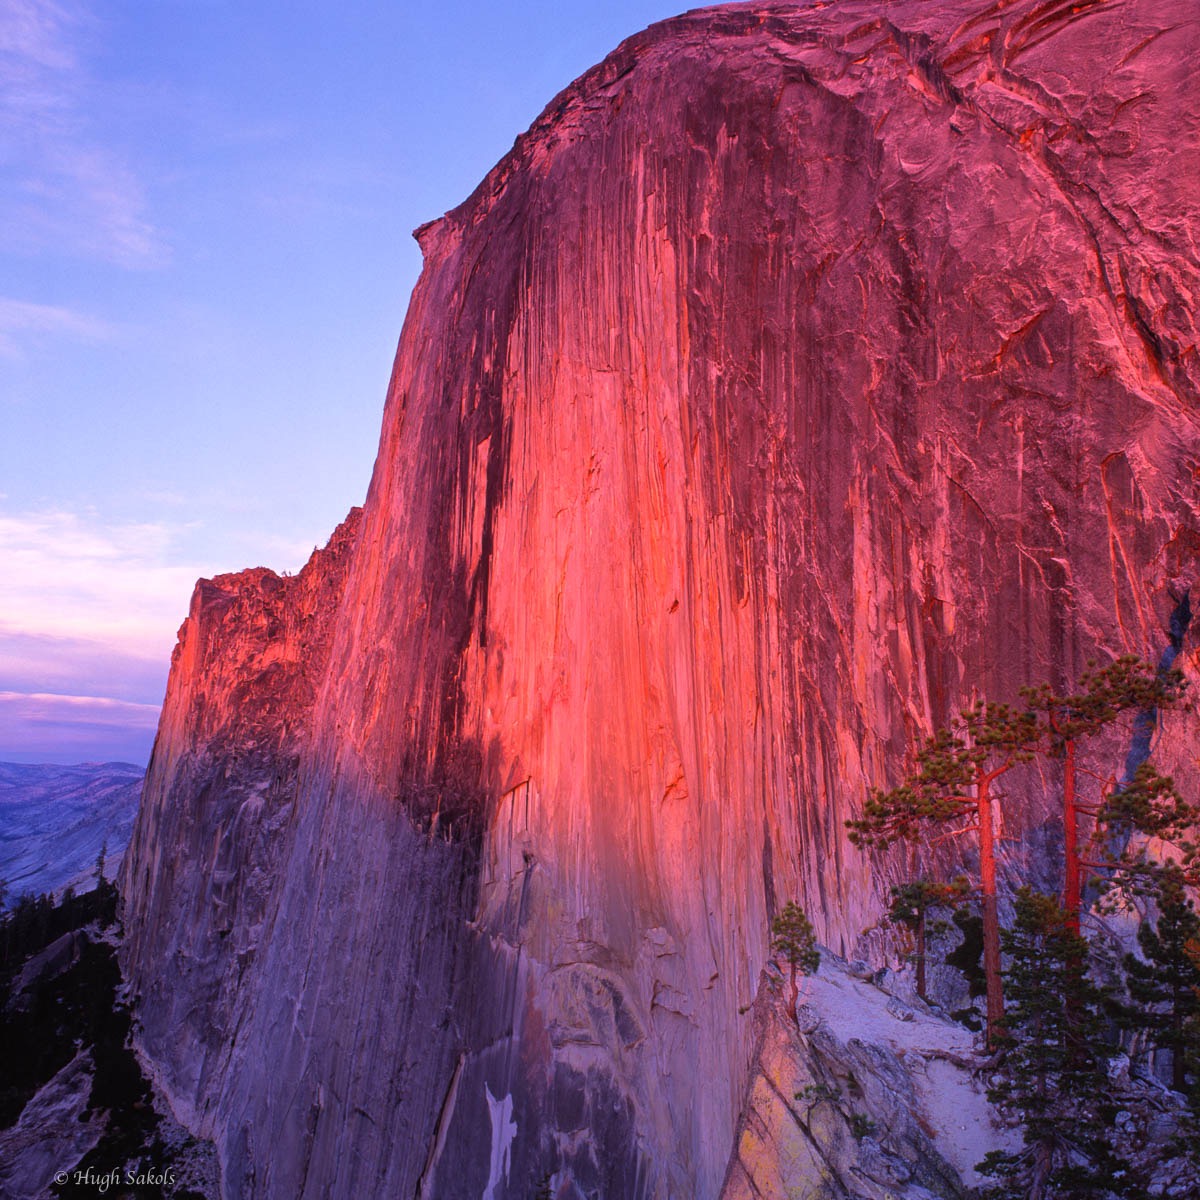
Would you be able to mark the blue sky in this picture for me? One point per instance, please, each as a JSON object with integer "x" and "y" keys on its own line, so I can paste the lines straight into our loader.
{"x": 206, "y": 210}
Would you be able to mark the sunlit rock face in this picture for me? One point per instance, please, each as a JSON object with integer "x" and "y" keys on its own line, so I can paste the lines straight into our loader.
{"x": 803, "y": 372}
{"x": 219, "y": 802}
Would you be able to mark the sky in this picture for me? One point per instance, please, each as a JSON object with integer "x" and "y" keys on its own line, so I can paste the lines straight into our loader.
{"x": 206, "y": 210}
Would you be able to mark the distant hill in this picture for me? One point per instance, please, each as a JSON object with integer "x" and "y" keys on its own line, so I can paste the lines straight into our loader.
{"x": 54, "y": 820}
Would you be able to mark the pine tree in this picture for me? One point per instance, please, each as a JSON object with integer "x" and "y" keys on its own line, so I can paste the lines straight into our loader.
{"x": 952, "y": 787}
{"x": 1164, "y": 982}
{"x": 1105, "y": 693}
{"x": 910, "y": 906}
{"x": 1150, "y": 805}
{"x": 793, "y": 937}
{"x": 1053, "y": 1076}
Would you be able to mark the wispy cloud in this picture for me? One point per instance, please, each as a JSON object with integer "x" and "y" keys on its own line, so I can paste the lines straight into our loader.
{"x": 22, "y": 321}
{"x": 32, "y": 663}
{"x": 32, "y": 30}
{"x": 89, "y": 611}
{"x": 49, "y": 706}
{"x": 73, "y": 576}
{"x": 62, "y": 185}
{"x": 44, "y": 727}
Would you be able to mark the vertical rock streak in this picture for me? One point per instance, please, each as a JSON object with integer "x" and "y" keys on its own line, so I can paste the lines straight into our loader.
{"x": 799, "y": 375}
{"x": 1146, "y": 721}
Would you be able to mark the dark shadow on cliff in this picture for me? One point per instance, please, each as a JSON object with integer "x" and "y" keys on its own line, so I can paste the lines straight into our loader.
{"x": 60, "y": 987}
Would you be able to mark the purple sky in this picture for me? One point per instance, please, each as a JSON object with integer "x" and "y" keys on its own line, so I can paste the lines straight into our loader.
{"x": 205, "y": 257}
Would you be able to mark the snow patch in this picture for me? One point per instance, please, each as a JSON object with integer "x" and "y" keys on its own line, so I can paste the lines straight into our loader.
{"x": 953, "y": 1109}
{"x": 504, "y": 1129}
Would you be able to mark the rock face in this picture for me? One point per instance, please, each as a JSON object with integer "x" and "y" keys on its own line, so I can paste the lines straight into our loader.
{"x": 804, "y": 371}
{"x": 54, "y": 1132}
{"x": 238, "y": 710}
{"x": 860, "y": 1094}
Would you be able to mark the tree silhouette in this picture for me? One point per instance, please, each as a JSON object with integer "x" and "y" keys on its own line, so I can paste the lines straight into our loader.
{"x": 953, "y": 788}
{"x": 1053, "y": 1075}
{"x": 1105, "y": 693}
{"x": 910, "y": 907}
{"x": 792, "y": 936}
{"x": 1164, "y": 982}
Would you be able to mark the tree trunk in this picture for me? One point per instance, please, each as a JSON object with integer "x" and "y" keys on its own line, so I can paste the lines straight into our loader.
{"x": 1072, "y": 884}
{"x": 921, "y": 956}
{"x": 1178, "y": 1065}
{"x": 991, "y": 911}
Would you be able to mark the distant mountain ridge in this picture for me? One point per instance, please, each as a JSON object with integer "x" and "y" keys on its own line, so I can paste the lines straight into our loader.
{"x": 54, "y": 820}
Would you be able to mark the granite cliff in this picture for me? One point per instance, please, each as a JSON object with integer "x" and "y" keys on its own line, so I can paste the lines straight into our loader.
{"x": 805, "y": 370}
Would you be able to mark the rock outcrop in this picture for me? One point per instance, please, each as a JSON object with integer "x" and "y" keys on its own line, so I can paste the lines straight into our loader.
{"x": 244, "y": 677}
{"x": 804, "y": 371}
{"x": 55, "y": 1129}
{"x": 860, "y": 1093}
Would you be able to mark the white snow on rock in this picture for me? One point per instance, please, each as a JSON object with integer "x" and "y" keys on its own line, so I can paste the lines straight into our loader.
{"x": 862, "y": 1095}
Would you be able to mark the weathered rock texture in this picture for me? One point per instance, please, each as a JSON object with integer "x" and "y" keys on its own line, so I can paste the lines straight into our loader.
{"x": 238, "y": 711}
{"x": 54, "y": 1132}
{"x": 860, "y": 1095}
{"x": 804, "y": 371}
